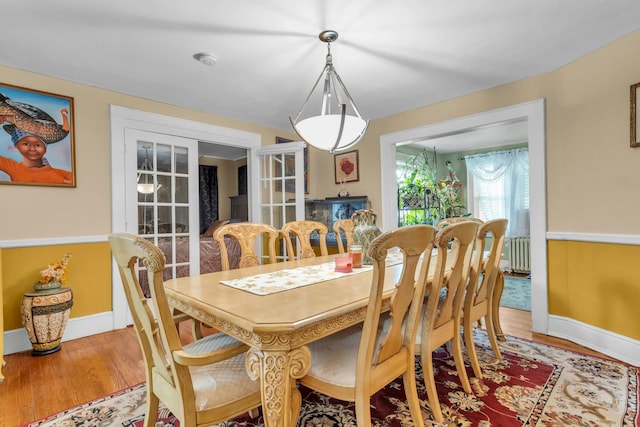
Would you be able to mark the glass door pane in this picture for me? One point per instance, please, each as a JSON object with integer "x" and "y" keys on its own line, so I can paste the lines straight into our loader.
{"x": 281, "y": 186}
{"x": 166, "y": 199}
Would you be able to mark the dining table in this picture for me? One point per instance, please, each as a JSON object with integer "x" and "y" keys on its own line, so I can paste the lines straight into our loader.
{"x": 277, "y": 309}
{"x": 278, "y": 325}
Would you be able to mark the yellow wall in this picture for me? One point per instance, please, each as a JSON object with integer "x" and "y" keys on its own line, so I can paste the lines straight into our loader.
{"x": 1, "y": 323}
{"x": 89, "y": 277}
{"x": 596, "y": 284}
{"x": 91, "y": 199}
{"x": 592, "y": 175}
{"x": 590, "y": 167}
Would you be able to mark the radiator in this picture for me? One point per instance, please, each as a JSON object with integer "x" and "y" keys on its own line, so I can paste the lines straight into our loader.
{"x": 520, "y": 254}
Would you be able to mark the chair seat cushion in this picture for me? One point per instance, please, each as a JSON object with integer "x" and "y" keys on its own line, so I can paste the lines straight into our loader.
{"x": 334, "y": 358}
{"x": 223, "y": 382}
{"x": 211, "y": 343}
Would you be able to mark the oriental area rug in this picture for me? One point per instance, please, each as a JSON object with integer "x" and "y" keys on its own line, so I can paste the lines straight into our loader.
{"x": 534, "y": 385}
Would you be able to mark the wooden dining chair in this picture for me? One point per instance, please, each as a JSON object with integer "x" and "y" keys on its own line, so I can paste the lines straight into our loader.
{"x": 355, "y": 363}
{"x": 445, "y": 222}
{"x": 201, "y": 383}
{"x": 346, "y": 227}
{"x": 300, "y": 231}
{"x": 478, "y": 301}
{"x": 442, "y": 311}
{"x": 454, "y": 220}
{"x": 246, "y": 233}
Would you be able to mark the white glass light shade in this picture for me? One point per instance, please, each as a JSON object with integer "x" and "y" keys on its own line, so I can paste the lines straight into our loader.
{"x": 145, "y": 188}
{"x": 322, "y": 131}
{"x": 328, "y": 130}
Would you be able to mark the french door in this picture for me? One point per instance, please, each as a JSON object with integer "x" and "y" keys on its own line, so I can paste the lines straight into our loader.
{"x": 162, "y": 197}
{"x": 139, "y": 135}
{"x": 281, "y": 186}
{"x": 162, "y": 201}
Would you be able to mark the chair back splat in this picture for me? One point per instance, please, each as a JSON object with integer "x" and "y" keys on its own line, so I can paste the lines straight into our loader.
{"x": 355, "y": 363}
{"x": 300, "y": 231}
{"x": 201, "y": 383}
{"x": 346, "y": 227}
{"x": 445, "y": 222}
{"x": 246, "y": 233}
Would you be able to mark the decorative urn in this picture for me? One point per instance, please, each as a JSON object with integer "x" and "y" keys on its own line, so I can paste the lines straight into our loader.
{"x": 46, "y": 310}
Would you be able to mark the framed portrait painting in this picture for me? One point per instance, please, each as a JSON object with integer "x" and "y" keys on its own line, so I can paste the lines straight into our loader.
{"x": 280, "y": 140}
{"x": 347, "y": 168}
{"x": 635, "y": 115}
{"x": 37, "y": 139}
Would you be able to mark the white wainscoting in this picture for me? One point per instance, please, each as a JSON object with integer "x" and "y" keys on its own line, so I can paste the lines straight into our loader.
{"x": 17, "y": 340}
{"x": 606, "y": 342}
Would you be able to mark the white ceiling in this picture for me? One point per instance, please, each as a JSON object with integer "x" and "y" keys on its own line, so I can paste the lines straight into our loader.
{"x": 479, "y": 138}
{"x": 392, "y": 56}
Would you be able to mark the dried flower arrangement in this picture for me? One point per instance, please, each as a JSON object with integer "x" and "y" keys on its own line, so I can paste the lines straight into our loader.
{"x": 57, "y": 271}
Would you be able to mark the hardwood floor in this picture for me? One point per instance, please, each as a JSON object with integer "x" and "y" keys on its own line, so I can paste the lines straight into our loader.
{"x": 91, "y": 367}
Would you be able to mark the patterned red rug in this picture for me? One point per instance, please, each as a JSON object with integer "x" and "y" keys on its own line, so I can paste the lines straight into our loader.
{"x": 535, "y": 385}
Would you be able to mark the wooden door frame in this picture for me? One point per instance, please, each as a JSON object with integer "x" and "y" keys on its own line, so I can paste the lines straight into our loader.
{"x": 123, "y": 118}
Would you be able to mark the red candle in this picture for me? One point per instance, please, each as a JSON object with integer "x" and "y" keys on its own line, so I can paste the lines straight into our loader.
{"x": 344, "y": 264}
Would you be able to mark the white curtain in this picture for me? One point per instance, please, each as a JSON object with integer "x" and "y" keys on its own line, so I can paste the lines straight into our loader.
{"x": 498, "y": 187}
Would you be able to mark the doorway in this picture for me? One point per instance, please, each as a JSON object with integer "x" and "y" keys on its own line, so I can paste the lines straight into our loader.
{"x": 126, "y": 119}
{"x": 531, "y": 112}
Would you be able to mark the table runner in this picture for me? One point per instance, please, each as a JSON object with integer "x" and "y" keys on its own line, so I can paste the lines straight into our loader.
{"x": 291, "y": 278}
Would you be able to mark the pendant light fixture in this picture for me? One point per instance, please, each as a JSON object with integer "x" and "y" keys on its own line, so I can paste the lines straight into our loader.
{"x": 333, "y": 128}
{"x": 145, "y": 186}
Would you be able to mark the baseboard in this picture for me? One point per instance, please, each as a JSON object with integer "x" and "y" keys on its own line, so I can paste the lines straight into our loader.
{"x": 17, "y": 340}
{"x": 606, "y": 342}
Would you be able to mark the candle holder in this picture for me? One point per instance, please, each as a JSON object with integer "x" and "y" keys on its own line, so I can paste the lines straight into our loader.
{"x": 356, "y": 254}
{"x": 344, "y": 264}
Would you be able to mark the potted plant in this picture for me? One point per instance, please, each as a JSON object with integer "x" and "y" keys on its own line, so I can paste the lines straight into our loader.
{"x": 422, "y": 199}
{"x": 418, "y": 198}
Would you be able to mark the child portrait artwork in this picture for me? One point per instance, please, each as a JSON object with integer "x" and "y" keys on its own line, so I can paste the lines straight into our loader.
{"x": 36, "y": 138}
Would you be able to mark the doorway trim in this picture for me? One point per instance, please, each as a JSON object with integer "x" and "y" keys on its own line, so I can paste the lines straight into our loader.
{"x": 534, "y": 113}
{"x": 123, "y": 118}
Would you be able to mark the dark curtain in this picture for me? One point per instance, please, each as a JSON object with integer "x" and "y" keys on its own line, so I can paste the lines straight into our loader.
{"x": 208, "y": 196}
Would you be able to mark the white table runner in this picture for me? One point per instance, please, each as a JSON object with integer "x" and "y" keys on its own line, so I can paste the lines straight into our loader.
{"x": 291, "y": 278}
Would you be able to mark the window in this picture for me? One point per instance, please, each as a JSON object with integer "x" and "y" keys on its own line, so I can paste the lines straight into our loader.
{"x": 498, "y": 187}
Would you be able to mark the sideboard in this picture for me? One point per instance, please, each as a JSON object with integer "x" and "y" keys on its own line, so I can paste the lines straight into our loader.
{"x": 331, "y": 209}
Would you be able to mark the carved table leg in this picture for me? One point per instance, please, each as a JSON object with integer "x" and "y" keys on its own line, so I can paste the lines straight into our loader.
{"x": 278, "y": 371}
{"x": 495, "y": 305}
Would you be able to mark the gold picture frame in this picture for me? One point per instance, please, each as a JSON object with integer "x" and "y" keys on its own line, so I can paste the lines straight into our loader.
{"x": 346, "y": 166}
{"x": 635, "y": 113}
{"x": 37, "y": 122}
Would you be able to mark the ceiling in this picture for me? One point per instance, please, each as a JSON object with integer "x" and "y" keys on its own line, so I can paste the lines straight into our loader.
{"x": 479, "y": 138}
{"x": 392, "y": 56}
